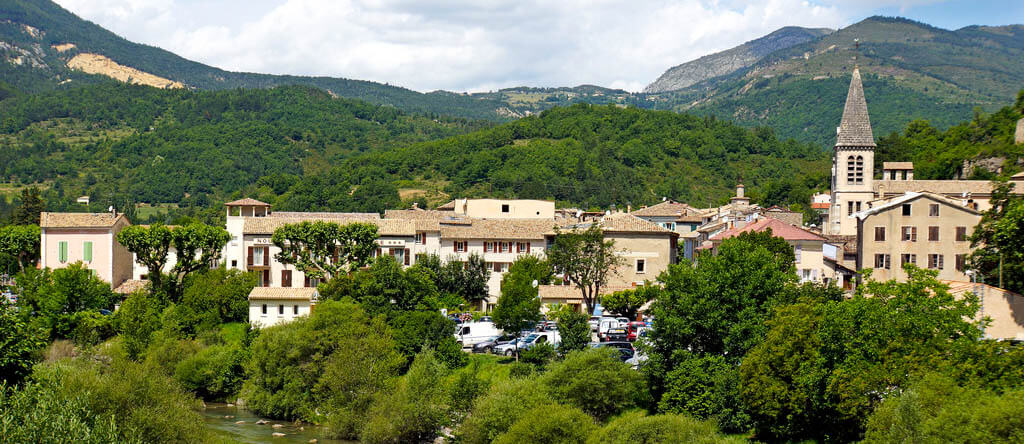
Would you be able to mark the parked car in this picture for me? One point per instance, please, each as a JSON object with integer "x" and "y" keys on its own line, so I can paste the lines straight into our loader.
{"x": 626, "y": 350}
{"x": 594, "y": 322}
{"x": 615, "y": 334}
{"x": 634, "y": 330}
{"x": 623, "y": 321}
{"x": 488, "y": 345}
{"x": 525, "y": 343}
{"x": 471, "y": 333}
{"x": 605, "y": 324}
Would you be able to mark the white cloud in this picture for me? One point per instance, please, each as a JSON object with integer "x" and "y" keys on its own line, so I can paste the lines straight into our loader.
{"x": 458, "y": 44}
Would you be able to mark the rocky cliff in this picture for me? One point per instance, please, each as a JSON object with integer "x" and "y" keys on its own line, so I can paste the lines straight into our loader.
{"x": 731, "y": 60}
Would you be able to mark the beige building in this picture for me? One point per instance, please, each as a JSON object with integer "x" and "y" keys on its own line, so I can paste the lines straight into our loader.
{"x": 1004, "y": 308}
{"x": 272, "y": 306}
{"x": 808, "y": 249}
{"x": 501, "y": 208}
{"x": 89, "y": 238}
{"x": 924, "y": 229}
{"x": 647, "y": 248}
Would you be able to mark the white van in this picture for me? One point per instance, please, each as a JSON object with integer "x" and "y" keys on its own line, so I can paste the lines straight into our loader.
{"x": 472, "y": 333}
{"x": 606, "y": 324}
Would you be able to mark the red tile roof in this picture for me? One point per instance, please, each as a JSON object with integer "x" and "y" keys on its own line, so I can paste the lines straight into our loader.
{"x": 821, "y": 205}
{"x": 779, "y": 229}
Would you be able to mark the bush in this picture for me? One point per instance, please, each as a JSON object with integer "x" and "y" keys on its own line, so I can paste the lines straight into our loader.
{"x": 496, "y": 411}
{"x": 706, "y": 387}
{"x": 520, "y": 370}
{"x": 19, "y": 346}
{"x": 550, "y": 424}
{"x": 594, "y": 381}
{"x": 636, "y": 427}
{"x": 91, "y": 327}
{"x": 215, "y": 373}
{"x": 416, "y": 410}
{"x": 575, "y": 331}
{"x": 83, "y": 400}
{"x": 219, "y": 296}
{"x": 165, "y": 353}
{"x": 539, "y": 355}
{"x": 936, "y": 409}
{"x": 136, "y": 320}
{"x": 414, "y": 330}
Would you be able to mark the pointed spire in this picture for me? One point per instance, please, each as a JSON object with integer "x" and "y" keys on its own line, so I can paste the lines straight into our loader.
{"x": 855, "y": 128}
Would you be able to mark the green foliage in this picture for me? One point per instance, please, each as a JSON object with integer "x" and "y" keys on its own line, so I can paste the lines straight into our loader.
{"x": 119, "y": 401}
{"x": 936, "y": 409}
{"x": 550, "y": 424}
{"x": 999, "y": 241}
{"x": 32, "y": 205}
{"x": 586, "y": 259}
{"x": 137, "y": 320}
{"x": 705, "y": 386}
{"x": 636, "y": 427}
{"x": 196, "y": 246}
{"x": 574, "y": 329}
{"x": 219, "y": 296}
{"x": 538, "y": 355}
{"x": 336, "y": 359}
{"x": 825, "y": 365}
{"x": 19, "y": 347}
{"x": 91, "y": 327}
{"x": 385, "y": 287}
{"x": 214, "y": 373}
{"x": 595, "y": 381}
{"x": 628, "y": 302}
{"x": 414, "y": 331}
{"x": 51, "y": 298}
{"x": 19, "y": 244}
{"x": 495, "y": 412}
{"x": 323, "y": 250}
{"x": 416, "y": 410}
{"x": 518, "y": 306}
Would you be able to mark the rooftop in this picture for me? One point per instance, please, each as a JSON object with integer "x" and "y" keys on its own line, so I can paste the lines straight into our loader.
{"x": 385, "y": 227}
{"x": 897, "y": 165}
{"x": 283, "y": 293}
{"x": 628, "y": 223}
{"x": 957, "y": 187}
{"x": 855, "y": 127}
{"x": 779, "y": 229}
{"x": 131, "y": 286}
{"x": 892, "y": 202}
{"x": 79, "y": 220}
{"x": 247, "y": 201}
{"x": 667, "y": 208}
{"x": 510, "y": 229}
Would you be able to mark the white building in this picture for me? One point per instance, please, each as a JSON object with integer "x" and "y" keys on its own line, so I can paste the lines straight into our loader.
{"x": 272, "y": 306}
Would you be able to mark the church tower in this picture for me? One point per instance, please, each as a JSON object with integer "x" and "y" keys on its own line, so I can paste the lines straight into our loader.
{"x": 852, "y": 163}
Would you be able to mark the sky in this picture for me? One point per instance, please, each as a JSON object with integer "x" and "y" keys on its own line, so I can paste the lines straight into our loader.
{"x": 484, "y": 45}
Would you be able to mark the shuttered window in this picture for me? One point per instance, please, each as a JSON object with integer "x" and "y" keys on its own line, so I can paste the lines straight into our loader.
{"x": 961, "y": 234}
{"x": 879, "y": 234}
{"x": 933, "y": 234}
{"x": 62, "y": 251}
{"x": 286, "y": 278}
{"x": 87, "y": 251}
{"x": 406, "y": 255}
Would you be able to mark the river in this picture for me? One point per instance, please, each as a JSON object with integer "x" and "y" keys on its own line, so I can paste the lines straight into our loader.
{"x": 224, "y": 421}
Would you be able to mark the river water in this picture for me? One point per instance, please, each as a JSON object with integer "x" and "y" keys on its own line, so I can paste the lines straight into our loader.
{"x": 224, "y": 421}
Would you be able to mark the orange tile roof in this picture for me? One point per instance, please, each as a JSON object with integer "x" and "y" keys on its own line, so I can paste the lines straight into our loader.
{"x": 821, "y": 205}
{"x": 779, "y": 229}
{"x": 131, "y": 286}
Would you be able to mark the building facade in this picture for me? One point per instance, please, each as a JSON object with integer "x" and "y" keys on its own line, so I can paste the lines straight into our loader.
{"x": 89, "y": 238}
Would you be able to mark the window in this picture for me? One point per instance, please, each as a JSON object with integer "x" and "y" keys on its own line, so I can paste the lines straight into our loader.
{"x": 406, "y": 257}
{"x": 500, "y": 267}
{"x": 909, "y": 234}
{"x": 641, "y": 266}
{"x": 505, "y": 247}
{"x": 908, "y": 259}
{"x": 234, "y": 263}
{"x": 295, "y": 310}
{"x": 935, "y": 261}
{"x": 933, "y": 210}
{"x": 421, "y": 238}
{"x": 264, "y": 308}
{"x": 855, "y": 170}
{"x": 504, "y": 208}
{"x": 257, "y": 256}
{"x": 87, "y": 251}
{"x": 933, "y": 234}
{"x": 522, "y": 247}
{"x": 797, "y": 250}
{"x": 62, "y": 251}
{"x": 906, "y": 209}
{"x": 961, "y": 234}
{"x": 879, "y": 234}
{"x": 460, "y": 246}
{"x": 858, "y": 206}
{"x": 849, "y": 208}
{"x": 286, "y": 278}
{"x": 883, "y": 261}
{"x": 280, "y": 309}
{"x": 961, "y": 262}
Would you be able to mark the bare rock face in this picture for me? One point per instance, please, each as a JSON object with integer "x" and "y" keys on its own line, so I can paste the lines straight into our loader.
{"x": 730, "y": 60}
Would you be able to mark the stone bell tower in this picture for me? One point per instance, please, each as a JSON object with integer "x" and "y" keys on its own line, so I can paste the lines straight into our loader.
{"x": 852, "y": 162}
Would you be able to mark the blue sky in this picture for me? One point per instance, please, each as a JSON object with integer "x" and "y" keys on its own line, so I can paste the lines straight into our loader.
{"x": 481, "y": 45}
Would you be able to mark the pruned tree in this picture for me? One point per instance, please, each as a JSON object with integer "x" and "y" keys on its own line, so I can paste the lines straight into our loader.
{"x": 197, "y": 247}
{"x": 629, "y": 301}
{"x": 322, "y": 250}
{"x": 586, "y": 259}
{"x": 20, "y": 243}
{"x": 518, "y": 306}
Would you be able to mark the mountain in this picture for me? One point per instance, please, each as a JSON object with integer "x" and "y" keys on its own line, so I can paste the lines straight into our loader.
{"x": 731, "y": 60}
{"x": 40, "y": 42}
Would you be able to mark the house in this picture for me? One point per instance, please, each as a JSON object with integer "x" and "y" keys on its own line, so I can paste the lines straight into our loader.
{"x": 924, "y": 229}
{"x": 647, "y": 248}
{"x": 501, "y": 208}
{"x": 272, "y": 306}
{"x": 672, "y": 215}
{"x": 1005, "y": 309}
{"x": 89, "y": 238}
{"x": 808, "y": 248}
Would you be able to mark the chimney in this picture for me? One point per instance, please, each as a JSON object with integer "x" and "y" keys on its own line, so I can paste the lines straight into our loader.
{"x": 739, "y": 190}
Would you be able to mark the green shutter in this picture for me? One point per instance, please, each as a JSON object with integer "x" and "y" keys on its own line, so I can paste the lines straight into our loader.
{"x": 62, "y": 253}
{"x": 87, "y": 251}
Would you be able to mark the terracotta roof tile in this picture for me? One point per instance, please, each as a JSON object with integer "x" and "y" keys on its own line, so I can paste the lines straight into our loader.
{"x": 79, "y": 220}
{"x": 622, "y": 222}
{"x": 324, "y": 215}
{"x": 497, "y": 228}
{"x": 667, "y": 208}
{"x": 286, "y": 293}
{"x": 450, "y": 206}
{"x": 956, "y": 187}
{"x": 779, "y": 229}
{"x": 571, "y": 292}
{"x": 385, "y": 227}
{"x": 248, "y": 201}
{"x": 131, "y": 286}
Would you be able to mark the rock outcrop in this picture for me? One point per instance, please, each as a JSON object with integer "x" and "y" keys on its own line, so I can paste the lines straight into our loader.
{"x": 99, "y": 64}
{"x": 731, "y": 60}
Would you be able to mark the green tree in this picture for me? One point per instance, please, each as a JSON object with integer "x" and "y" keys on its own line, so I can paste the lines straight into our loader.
{"x": 32, "y": 206}
{"x": 574, "y": 329}
{"x": 550, "y": 424}
{"x": 20, "y": 243}
{"x": 53, "y": 297}
{"x": 137, "y": 320}
{"x": 998, "y": 241}
{"x": 416, "y": 410}
{"x": 586, "y": 259}
{"x": 595, "y": 381}
{"x": 219, "y": 295}
{"x": 19, "y": 346}
{"x": 628, "y": 302}
{"x": 196, "y": 246}
{"x": 519, "y": 304}
{"x": 323, "y": 250}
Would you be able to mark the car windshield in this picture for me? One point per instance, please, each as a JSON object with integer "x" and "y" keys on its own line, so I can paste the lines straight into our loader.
{"x": 530, "y": 338}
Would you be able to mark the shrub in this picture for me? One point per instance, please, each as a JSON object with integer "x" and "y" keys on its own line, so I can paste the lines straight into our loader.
{"x": 636, "y": 427}
{"x": 520, "y": 370}
{"x": 165, "y": 353}
{"x": 91, "y": 327}
{"x": 539, "y": 355}
{"x": 219, "y": 296}
{"x": 215, "y": 373}
{"x": 550, "y": 424}
{"x": 496, "y": 411}
{"x": 706, "y": 387}
{"x": 594, "y": 381}
{"x": 416, "y": 410}
{"x": 136, "y": 320}
{"x": 414, "y": 330}
{"x": 575, "y": 331}
{"x": 19, "y": 346}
